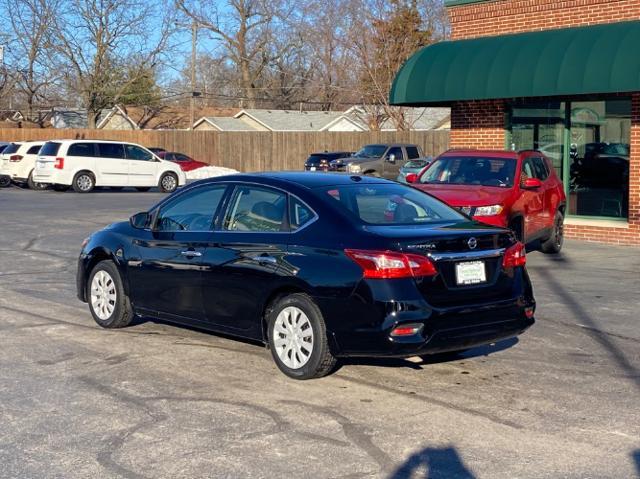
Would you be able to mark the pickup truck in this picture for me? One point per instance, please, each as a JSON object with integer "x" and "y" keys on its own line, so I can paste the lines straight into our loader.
{"x": 383, "y": 160}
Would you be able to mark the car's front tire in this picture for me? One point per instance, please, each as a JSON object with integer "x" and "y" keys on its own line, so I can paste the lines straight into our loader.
{"x": 109, "y": 305}
{"x": 553, "y": 244}
{"x": 84, "y": 182}
{"x": 168, "y": 183}
{"x": 298, "y": 338}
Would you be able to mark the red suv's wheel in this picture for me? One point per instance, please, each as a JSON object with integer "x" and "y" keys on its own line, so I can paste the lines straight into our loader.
{"x": 553, "y": 244}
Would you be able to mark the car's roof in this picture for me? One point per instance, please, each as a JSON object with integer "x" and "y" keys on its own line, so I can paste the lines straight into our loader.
{"x": 482, "y": 153}
{"x": 299, "y": 178}
{"x": 73, "y": 140}
{"x": 329, "y": 153}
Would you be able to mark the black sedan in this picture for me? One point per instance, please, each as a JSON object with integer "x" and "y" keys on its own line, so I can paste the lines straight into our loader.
{"x": 322, "y": 161}
{"x": 316, "y": 266}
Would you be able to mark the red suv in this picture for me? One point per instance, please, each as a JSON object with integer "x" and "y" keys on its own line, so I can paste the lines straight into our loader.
{"x": 519, "y": 190}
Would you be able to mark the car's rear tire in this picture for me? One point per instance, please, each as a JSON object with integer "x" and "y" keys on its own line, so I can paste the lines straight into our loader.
{"x": 5, "y": 180}
{"x": 553, "y": 244}
{"x": 84, "y": 182}
{"x": 298, "y": 338}
{"x": 36, "y": 186}
{"x": 143, "y": 189}
{"x": 109, "y": 305}
{"x": 61, "y": 188}
{"x": 168, "y": 183}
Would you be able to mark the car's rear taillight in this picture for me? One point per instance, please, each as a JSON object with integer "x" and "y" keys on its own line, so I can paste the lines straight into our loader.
{"x": 514, "y": 256}
{"x": 59, "y": 164}
{"x": 15, "y": 158}
{"x": 390, "y": 264}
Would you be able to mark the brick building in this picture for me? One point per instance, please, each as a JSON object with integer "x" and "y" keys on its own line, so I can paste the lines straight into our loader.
{"x": 562, "y": 77}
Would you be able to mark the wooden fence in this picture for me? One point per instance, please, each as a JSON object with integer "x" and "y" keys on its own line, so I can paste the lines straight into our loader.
{"x": 244, "y": 151}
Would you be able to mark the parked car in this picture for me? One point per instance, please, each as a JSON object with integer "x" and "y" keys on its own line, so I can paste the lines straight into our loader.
{"x": 156, "y": 150}
{"x": 413, "y": 166}
{"x": 5, "y": 178}
{"x": 519, "y": 190}
{"x": 310, "y": 265}
{"x": 323, "y": 161}
{"x": 19, "y": 161}
{"x": 85, "y": 164}
{"x": 185, "y": 162}
{"x": 382, "y": 160}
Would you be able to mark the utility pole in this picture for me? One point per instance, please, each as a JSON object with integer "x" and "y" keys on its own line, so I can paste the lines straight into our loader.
{"x": 192, "y": 105}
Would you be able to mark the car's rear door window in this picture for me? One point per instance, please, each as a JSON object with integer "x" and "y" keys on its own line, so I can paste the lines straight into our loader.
{"x": 412, "y": 152}
{"x": 193, "y": 210}
{"x": 34, "y": 150}
{"x": 12, "y": 148}
{"x": 256, "y": 209}
{"x": 540, "y": 168}
{"x": 111, "y": 150}
{"x": 82, "y": 149}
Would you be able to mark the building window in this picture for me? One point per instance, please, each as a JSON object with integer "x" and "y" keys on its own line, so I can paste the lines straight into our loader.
{"x": 588, "y": 144}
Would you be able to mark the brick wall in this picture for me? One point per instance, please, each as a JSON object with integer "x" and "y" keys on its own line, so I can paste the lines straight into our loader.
{"x": 513, "y": 16}
{"x": 477, "y": 124}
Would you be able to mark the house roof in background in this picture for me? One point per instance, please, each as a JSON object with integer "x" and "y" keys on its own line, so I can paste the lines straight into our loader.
{"x": 173, "y": 117}
{"x": 226, "y": 123}
{"x": 291, "y": 120}
{"x": 428, "y": 118}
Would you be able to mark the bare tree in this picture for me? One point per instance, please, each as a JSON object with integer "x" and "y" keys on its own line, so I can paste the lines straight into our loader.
{"x": 29, "y": 50}
{"x": 245, "y": 29}
{"x": 108, "y": 45}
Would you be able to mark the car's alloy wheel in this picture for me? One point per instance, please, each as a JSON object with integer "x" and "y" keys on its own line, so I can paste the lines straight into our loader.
{"x": 103, "y": 295}
{"x": 553, "y": 244}
{"x": 5, "y": 181}
{"x": 83, "y": 183}
{"x": 168, "y": 183}
{"x": 293, "y": 339}
{"x": 298, "y": 337}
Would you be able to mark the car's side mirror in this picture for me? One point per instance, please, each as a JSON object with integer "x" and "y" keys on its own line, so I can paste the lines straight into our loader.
{"x": 531, "y": 184}
{"x": 391, "y": 158}
{"x": 411, "y": 178}
{"x": 141, "y": 220}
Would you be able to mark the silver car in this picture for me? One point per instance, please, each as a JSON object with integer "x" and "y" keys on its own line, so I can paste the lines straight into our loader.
{"x": 413, "y": 166}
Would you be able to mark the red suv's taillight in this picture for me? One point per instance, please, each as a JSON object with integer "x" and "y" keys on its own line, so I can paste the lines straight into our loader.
{"x": 515, "y": 255}
{"x": 59, "y": 165}
{"x": 15, "y": 158}
{"x": 390, "y": 264}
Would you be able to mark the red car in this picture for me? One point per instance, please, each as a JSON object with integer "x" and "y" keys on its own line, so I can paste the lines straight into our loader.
{"x": 186, "y": 163}
{"x": 519, "y": 190}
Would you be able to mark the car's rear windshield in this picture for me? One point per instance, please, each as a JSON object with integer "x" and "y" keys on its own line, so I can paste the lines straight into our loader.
{"x": 388, "y": 204}
{"x": 12, "y": 148}
{"x": 471, "y": 170}
{"x": 50, "y": 148}
{"x": 416, "y": 164}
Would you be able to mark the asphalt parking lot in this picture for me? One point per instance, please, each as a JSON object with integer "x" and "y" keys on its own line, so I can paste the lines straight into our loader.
{"x": 156, "y": 400}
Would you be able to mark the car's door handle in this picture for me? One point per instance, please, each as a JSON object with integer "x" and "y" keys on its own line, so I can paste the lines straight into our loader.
{"x": 264, "y": 259}
{"x": 191, "y": 254}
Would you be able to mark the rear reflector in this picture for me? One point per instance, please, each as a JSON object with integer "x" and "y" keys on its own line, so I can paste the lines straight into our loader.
{"x": 390, "y": 264}
{"x": 15, "y": 158}
{"x": 59, "y": 165}
{"x": 406, "y": 330}
{"x": 515, "y": 256}
{"x": 528, "y": 312}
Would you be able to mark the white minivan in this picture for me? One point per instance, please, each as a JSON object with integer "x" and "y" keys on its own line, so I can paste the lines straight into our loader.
{"x": 19, "y": 160}
{"x": 85, "y": 164}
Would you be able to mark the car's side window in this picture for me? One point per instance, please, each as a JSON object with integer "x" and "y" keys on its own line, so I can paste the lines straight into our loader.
{"x": 193, "y": 210}
{"x": 299, "y": 213}
{"x": 82, "y": 149}
{"x": 397, "y": 152}
{"x": 412, "y": 152}
{"x": 256, "y": 209}
{"x": 527, "y": 170}
{"x": 134, "y": 152}
{"x": 34, "y": 150}
{"x": 111, "y": 150}
{"x": 540, "y": 167}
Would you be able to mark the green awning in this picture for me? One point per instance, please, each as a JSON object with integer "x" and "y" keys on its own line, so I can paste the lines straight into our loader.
{"x": 569, "y": 61}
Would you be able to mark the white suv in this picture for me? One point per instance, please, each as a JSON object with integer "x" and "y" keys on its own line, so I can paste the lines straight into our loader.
{"x": 18, "y": 160}
{"x": 85, "y": 164}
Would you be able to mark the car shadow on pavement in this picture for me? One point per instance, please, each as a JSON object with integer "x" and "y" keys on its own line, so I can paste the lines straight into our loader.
{"x": 437, "y": 358}
{"x": 435, "y": 463}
